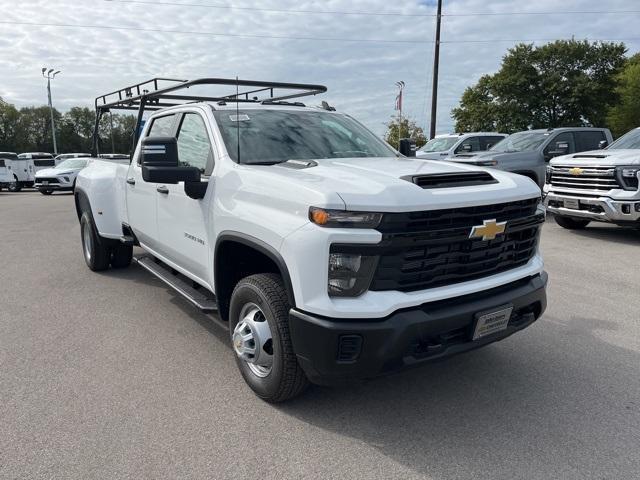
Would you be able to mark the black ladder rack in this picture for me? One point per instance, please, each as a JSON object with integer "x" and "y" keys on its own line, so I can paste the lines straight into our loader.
{"x": 159, "y": 93}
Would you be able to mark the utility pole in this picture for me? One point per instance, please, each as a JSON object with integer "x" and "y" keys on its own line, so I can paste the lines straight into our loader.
{"x": 48, "y": 75}
{"x": 436, "y": 63}
{"x": 400, "y": 86}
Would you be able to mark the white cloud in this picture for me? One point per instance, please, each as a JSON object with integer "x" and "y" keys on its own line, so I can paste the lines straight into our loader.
{"x": 360, "y": 76}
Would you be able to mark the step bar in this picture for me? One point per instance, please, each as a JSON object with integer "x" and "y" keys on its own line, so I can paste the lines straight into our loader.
{"x": 200, "y": 297}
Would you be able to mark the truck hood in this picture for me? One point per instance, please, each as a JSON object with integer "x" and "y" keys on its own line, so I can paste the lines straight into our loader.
{"x": 377, "y": 184}
{"x": 600, "y": 158}
{"x": 489, "y": 155}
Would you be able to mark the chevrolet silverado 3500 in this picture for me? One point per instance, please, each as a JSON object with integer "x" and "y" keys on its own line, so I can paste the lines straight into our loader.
{"x": 328, "y": 255}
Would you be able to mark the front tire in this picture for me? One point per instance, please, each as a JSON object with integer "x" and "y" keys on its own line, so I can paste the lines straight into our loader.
{"x": 97, "y": 253}
{"x": 259, "y": 326}
{"x": 572, "y": 223}
{"x": 46, "y": 192}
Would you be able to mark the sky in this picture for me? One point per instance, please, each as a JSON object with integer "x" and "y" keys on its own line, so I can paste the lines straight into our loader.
{"x": 359, "y": 49}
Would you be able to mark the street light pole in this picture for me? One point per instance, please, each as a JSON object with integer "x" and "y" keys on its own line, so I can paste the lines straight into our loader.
{"x": 49, "y": 76}
{"x": 436, "y": 64}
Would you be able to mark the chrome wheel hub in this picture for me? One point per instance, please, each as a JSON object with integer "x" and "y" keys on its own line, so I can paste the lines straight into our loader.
{"x": 252, "y": 340}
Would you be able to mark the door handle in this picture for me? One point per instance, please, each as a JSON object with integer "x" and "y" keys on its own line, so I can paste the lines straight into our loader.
{"x": 162, "y": 189}
{"x": 131, "y": 181}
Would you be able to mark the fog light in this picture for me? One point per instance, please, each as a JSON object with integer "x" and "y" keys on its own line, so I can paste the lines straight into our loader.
{"x": 626, "y": 209}
{"x": 637, "y": 207}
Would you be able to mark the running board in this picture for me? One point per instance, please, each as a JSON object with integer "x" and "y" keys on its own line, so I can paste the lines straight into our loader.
{"x": 200, "y": 297}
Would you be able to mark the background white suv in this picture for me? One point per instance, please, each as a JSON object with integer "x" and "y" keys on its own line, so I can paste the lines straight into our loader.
{"x": 61, "y": 177}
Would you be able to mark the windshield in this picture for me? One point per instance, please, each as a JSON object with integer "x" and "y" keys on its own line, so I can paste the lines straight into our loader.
{"x": 629, "y": 140}
{"x": 273, "y": 136}
{"x": 72, "y": 163}
{"x": 439, "y": 144}
{"x": 520, "y": 142}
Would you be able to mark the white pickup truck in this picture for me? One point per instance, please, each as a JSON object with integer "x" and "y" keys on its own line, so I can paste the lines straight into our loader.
{"x": 328, "y": 255}
{"x": 600, "y": 185}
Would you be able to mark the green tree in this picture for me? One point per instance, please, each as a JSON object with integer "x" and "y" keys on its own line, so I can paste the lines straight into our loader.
{"x": 564, "y": 83}
{"x": 405, "y": 129}
{"x": 75, "y": 130}
{"x": 626, "y": 114}
{"x": 8, "y": 126}
{"x": 33, "y": 129}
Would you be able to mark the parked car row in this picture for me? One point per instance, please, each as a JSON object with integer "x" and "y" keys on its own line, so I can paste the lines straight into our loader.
{"x": 45, "y": 172}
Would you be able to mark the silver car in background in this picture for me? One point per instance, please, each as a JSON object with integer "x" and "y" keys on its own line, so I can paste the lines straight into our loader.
{"x": 442, "y": 147}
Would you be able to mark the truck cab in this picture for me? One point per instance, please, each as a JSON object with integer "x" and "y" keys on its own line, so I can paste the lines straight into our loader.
{"x": 599, "y": 185}
{"x": 328, "y": 256}
{"x": 441, "y": 147}
{"x": 528, "y": 153}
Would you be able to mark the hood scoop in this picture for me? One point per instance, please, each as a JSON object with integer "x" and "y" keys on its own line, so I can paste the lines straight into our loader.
{"x": 589, "y": 156}
{"x": 298, "y": 164}
{"x": 451, "y": 180}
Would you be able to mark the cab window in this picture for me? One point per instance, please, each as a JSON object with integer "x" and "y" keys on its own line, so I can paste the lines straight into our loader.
{"x": 194, "y": 147}
{"x": 471, "y": 144}
{"x": 561, "y": 144}
{"x": 162, "y": 126}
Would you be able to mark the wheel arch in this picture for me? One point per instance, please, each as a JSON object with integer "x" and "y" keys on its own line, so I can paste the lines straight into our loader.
{"x": 82, "y": 203}
{"x": 237, "y": 255}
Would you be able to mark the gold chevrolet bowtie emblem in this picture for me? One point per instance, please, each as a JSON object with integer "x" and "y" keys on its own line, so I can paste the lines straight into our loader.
{"x": 489, "y": 230}
{"x": 575, "y": 171}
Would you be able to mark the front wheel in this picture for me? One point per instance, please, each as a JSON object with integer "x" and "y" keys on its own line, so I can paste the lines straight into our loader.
{"x": 259, "y": 326}
{"x": 97, "y": 253}
{"x": 46, "y": 192}
{"x": 572, "y": 223}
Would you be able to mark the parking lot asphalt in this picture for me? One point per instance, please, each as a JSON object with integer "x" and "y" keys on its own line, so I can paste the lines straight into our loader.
{"x": 112, "y": 375}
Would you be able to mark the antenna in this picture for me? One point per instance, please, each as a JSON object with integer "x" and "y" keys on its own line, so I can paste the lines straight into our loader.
{"x": 238, "y": 116}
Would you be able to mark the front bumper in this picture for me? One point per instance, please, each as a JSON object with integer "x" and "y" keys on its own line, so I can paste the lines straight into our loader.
{"x": 335, "y": 351}
{"x": 52, "y": 186}
{"x": 602, "y": 209}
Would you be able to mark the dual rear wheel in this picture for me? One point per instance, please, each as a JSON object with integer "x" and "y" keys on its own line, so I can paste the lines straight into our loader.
{"x": 101, "y": 252}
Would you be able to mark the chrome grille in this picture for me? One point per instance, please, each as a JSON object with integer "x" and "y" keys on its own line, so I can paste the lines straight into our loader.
{"x": 584, "y": 178}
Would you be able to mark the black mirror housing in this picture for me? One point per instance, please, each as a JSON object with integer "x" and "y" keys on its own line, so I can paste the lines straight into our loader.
{"x": 408, "y": 147}
{"x": 602, "y": 144}
{"x": 160, "y": 152}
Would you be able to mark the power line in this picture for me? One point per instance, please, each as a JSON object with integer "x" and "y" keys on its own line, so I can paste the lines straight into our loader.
{"x": 274, "y": 10}
{"x": 381, "y": 14}
{"x": 214, "y": 34}
{"x": 288, "y": 37}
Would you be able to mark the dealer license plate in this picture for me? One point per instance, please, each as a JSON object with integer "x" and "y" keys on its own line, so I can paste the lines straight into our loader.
{"x": 572, "y": 204}
{"x": 489, "y": 323}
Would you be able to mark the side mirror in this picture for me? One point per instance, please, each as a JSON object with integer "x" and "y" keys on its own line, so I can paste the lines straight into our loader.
{"x": 160, "y": 162}
{"x": 408, "y": 147}
{"x": 602, "y": 144}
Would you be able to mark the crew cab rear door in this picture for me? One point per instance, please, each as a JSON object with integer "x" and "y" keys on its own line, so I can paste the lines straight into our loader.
{"x": 142, "y": 196}
{"x": 183, "y": 221}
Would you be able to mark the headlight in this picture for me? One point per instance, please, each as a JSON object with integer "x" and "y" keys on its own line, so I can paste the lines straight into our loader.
{"x": 350, "y": 274}
{"x": 344, "y": 219}
{"x": 629, "y": 177}
{"x": 486, "y": 163}
{"x": 547, "y": 177}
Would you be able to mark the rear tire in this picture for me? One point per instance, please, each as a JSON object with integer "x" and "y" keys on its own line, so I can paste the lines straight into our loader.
{"x": 97, "y": 253}
{"x": 46, "y": 192}
{"x": 121, "y": 255}
{"x": 265, "y": 297}
{"x": 15, "y": 186}
{"x": 572, "y": 223}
